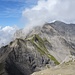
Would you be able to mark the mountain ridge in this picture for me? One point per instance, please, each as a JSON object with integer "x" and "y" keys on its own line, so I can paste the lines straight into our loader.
{"x": 43, "y": 47}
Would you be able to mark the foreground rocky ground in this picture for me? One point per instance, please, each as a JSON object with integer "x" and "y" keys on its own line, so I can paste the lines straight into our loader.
{"x": 63, "y": 69}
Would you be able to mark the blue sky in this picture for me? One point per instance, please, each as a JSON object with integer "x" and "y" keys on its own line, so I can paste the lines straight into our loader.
{"x": 11, "y": 11}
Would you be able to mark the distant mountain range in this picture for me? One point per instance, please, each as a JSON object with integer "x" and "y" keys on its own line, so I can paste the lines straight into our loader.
{"x": 43, "y": 47}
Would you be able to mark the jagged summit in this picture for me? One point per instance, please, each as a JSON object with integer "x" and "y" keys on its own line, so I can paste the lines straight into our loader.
{"x": 57, "y": 21}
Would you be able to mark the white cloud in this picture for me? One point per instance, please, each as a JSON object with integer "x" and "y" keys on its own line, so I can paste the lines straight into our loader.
{"x": 50, "y": 10}
{"x": 6, "y": 34}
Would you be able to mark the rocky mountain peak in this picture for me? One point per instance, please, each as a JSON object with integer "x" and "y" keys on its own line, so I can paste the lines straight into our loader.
{"x": 43, "y": 47}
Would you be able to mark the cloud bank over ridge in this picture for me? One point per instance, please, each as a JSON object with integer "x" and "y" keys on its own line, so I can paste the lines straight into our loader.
{"x": 6, "y": 34}
{"x": 50, "y": 10}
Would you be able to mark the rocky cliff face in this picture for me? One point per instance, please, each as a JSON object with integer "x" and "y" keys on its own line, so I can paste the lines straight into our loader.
{"x": 43, "y": 47}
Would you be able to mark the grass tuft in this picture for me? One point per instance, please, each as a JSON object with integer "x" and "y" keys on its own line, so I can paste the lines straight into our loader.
{"x": 37, "y": 41}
